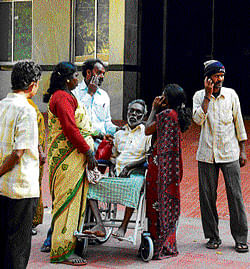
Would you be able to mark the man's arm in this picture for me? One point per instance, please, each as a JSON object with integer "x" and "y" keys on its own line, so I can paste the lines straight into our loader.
{"x": 243, "y": 156}
{"x": 239, "y": 128}
{"x": 135, "y": 164}
{"x": 200, "y": 106}
{"x": 11, "y": 161}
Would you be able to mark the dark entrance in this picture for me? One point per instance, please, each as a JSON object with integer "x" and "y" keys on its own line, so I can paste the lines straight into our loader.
{"x": 177, "y": 37}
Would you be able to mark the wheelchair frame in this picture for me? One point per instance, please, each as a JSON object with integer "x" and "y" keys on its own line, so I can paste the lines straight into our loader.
{"x": 110, "y": 221}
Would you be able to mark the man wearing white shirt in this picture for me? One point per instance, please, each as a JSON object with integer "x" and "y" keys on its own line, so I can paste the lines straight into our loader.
{"x": 221, "y": 147}
{"x": 129, "y": 152}
{"x": 95, "y": 100}
{"x": 19, "y": 166}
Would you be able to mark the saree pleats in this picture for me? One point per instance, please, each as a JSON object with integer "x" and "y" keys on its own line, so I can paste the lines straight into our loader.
{"x": 68, "y": 184}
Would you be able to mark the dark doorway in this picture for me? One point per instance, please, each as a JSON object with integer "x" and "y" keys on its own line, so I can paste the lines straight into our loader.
{"x": 177, "y": 37}
{"x": 151, "y": 49}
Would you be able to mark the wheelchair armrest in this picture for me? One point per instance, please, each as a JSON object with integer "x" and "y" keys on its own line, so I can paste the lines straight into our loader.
{"x": 104, "y": 162}
{"x": 140, "y": 169}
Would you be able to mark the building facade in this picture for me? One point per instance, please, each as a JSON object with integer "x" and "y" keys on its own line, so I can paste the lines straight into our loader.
{"x": 145, "y": 44}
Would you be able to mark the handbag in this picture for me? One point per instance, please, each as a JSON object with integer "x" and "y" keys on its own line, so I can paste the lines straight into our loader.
{"x": 104, "y": 150}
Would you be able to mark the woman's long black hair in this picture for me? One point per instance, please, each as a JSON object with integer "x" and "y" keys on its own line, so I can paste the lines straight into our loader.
{"x": 59, "y": 76}
{"x": 176, "y": 98}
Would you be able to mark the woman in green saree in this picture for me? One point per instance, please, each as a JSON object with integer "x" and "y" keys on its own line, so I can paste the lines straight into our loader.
{"x": 70, "y": 149}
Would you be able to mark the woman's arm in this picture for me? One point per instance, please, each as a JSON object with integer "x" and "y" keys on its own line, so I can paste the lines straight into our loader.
{"x": 63, "y": 105}
{"x": 150, "y": 126}
{"x": 64, "y": 108}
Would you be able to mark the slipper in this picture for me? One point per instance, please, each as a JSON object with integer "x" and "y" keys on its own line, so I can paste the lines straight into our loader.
{"x": 88, "y": 232}
{"x": 33, "y": 231}
{"x": 99, "y": 234}
{"x": 213, "y": 243}
{"x": 118, "y": 237}
{"x": 75, "y": 262}
{"x": 240, "y": 247}
{"x": 45, "y": 248}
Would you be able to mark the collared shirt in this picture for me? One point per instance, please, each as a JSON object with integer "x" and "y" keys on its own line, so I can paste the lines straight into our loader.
{"x": 222, "y": 127}
{"x": 19, "y": 130}
{"x": 130, "y": 145}
{"x": 97, "y": 106}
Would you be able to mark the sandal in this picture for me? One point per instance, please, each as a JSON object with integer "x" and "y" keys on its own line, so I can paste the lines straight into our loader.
{"x": 118, "y": 237}
{"x": 240, "y": 247}
{"x": 213, "y": 243}
{"x": 45, "y": 249}
{"x": 76, "y": 261}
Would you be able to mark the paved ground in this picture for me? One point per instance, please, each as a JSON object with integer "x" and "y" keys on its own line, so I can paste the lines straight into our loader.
{"x": 193, "y": 254}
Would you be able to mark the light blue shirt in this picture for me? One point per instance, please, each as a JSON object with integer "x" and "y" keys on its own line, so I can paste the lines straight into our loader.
{"x": 97, "y": 106}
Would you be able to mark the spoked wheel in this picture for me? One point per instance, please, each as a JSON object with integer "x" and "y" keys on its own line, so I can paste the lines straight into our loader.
{"x": 108, "y": 211}
{"x": 147, "y": 248}
{"x": 84, "y": 242}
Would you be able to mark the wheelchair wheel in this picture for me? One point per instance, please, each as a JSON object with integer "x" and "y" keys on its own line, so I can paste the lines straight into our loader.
{"x": 147, "y": 249}
{"x": 108, "y": 212}
{"x": 84, "y": 247}
{"x": 82, "y": 244}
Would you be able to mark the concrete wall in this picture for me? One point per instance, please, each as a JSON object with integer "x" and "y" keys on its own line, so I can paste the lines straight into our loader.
{"x": 51, "y": 38}
{"x": 114, "y": 79}
{"x": 51, "y": 44}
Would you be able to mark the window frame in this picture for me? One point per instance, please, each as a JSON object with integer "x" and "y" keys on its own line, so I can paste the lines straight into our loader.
{"x": 73, "y": 34}
{"x": 12, "y": 62}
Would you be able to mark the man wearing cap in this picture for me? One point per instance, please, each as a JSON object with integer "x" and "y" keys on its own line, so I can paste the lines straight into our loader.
{"x": 221, "y": 146}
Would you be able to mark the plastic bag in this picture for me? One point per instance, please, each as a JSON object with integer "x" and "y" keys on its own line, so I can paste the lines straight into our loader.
{"x": 104, "y": 150}
{"x": 93, "y": 176}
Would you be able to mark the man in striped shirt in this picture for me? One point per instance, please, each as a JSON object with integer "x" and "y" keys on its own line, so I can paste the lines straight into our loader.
{"x": 221, "y": 146}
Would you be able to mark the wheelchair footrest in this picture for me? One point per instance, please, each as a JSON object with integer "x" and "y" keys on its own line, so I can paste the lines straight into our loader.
{"x": 79, "y": 235}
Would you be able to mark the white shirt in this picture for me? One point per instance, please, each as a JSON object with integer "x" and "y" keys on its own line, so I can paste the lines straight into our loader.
{"x": 130, "y": 145}
{"x": 222, "y": 127}
{"x": 97, "y": 106}
{"x": 19, "y": 130}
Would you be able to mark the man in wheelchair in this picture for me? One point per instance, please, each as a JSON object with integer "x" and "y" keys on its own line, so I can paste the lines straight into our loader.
{"x": 129, "y": 152}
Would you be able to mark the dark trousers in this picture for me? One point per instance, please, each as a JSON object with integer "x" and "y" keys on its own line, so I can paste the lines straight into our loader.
{"x": 208, "y": 183}
{"x": 16, "y": 217}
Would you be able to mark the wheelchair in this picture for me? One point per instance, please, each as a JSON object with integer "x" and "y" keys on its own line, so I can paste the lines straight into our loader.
{"x": 110, "y": 220}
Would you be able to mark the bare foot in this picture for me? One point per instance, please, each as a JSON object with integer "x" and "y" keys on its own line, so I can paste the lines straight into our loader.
{"x": 97, "y": 230}
{"x": 120, "y": 233}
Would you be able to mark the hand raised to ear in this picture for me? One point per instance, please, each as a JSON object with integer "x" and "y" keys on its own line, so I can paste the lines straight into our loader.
{"x": 158, "y": 102}
{"x": 209, "y": 87}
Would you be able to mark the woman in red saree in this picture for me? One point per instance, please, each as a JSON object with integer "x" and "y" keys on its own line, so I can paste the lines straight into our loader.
{"x": 168, "y": 118}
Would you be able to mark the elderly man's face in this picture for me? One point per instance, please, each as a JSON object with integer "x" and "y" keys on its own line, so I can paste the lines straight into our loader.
{"x": 135, "y": 115}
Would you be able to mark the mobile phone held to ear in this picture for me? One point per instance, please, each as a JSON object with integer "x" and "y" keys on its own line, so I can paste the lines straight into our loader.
{"x": 94, "y": 80}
